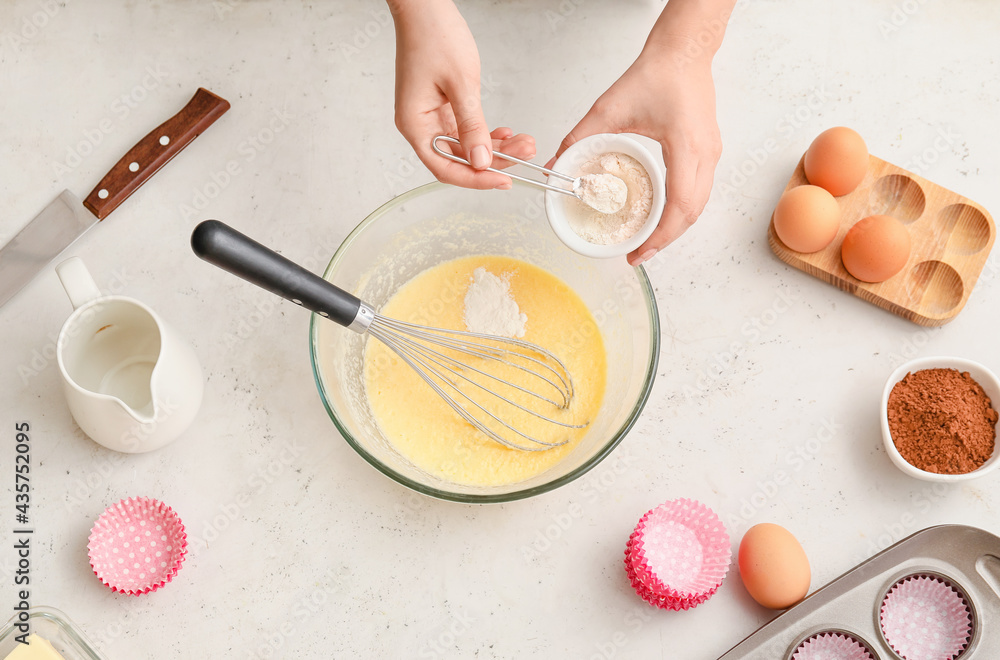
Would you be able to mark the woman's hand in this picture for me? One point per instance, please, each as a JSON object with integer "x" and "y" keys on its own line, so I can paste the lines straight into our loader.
{"x": 675, "y": 107}
{"x": 668, "y": 94}
{"x": 437, "y": 93}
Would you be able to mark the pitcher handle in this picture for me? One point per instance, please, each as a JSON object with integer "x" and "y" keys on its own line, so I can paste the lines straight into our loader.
{"x": 77, "y": 282}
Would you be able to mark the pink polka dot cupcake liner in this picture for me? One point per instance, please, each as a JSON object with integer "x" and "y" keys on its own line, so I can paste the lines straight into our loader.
{"x": 925, "y": 618}
{"x": 678, "y": 555}
{"x": 832, "y": 646}
{"x": 137, "y": 546}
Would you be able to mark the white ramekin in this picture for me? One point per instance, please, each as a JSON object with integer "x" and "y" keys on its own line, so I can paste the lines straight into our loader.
{"x": 986, "y": 378}
{"x": 571, "y": 161}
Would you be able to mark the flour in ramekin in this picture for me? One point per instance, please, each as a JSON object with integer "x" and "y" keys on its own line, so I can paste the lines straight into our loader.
{"x": 609, "y": 229}
{"x": 602, "y": 192}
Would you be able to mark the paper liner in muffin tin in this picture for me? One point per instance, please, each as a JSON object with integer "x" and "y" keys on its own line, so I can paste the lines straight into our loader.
{"x": 832, "y": 646}
{"x": 137, "y": 545}
{"x": 954, "y": 569}
{"x": 924, "y": 618}
{"x": 678, "y": 555}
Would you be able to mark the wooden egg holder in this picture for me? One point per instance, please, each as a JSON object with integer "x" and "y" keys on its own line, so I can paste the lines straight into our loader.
{"x": 951, "y": 237}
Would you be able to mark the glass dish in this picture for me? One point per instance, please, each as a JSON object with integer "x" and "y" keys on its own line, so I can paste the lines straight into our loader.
{"x": 54, "y": 626}
{"x": 436, "y": 223}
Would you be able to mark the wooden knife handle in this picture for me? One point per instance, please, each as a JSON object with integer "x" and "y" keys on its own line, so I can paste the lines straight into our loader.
{"x": 154, "y": 151}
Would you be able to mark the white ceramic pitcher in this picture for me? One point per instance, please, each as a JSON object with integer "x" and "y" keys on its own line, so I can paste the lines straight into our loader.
{"x": 132, "y": 383}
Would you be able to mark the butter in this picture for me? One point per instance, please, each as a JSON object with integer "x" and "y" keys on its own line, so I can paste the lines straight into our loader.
{"x": 37, "y": 648}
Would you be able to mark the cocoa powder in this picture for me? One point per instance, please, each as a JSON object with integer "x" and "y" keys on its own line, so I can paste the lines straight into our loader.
{"x": 942, "y": 421}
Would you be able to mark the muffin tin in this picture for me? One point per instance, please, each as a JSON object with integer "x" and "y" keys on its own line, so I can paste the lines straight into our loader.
{"x": 940, "y": 586}
{"x": 951, "y": 239}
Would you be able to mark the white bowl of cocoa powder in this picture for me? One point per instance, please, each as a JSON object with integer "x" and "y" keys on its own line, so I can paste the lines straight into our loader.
{"x": 939, "y": 419}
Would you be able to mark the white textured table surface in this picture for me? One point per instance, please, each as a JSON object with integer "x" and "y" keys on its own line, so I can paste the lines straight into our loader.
{"x": 312, "y": 553}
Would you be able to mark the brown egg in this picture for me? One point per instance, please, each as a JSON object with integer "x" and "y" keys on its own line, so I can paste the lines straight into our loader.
{"x": 807, "y": 218}
{"x": 837, "y": 160}
{"x": 876, "y": 248}
{"x": 773, "y": 566}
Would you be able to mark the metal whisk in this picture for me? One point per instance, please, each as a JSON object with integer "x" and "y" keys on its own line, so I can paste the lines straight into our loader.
{"x": 582, "y": 186}
{"x": 466, "y": 369}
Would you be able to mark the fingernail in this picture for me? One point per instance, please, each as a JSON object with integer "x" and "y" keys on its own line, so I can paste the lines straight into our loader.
{"x": 503, "y": 186}
{"x": 644, "y": 257}
{"x": 480, "y": 157}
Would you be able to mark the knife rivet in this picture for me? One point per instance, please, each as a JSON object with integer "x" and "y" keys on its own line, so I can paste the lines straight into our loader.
{"x": 134, "y": 167}
{"x": 164, "y": 140}
{"x": 102, "y": 193}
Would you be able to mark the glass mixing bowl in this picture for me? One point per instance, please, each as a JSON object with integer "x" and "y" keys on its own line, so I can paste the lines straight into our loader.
{"x": 436, "y": 223}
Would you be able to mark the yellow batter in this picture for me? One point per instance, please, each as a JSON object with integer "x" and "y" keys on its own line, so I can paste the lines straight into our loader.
{"x": 427, "y": 431}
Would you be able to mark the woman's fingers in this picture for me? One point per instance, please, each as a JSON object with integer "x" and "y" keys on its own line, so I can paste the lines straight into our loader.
{"x": 503, "y": 140}
{"x": 473, "y": 133}
{"x": 690, "y": 175}
{"x": 519, "y": 146}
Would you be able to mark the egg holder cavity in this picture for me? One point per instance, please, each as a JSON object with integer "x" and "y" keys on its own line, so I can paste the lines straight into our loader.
{"x": 951, "y": 237}
{"x": 966, "y": 558}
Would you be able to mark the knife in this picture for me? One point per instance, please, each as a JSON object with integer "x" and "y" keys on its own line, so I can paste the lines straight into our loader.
{"x": 65, "y": 219}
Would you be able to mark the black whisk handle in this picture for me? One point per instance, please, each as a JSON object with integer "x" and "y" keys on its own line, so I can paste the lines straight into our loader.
{"x": 221, "y": 245}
